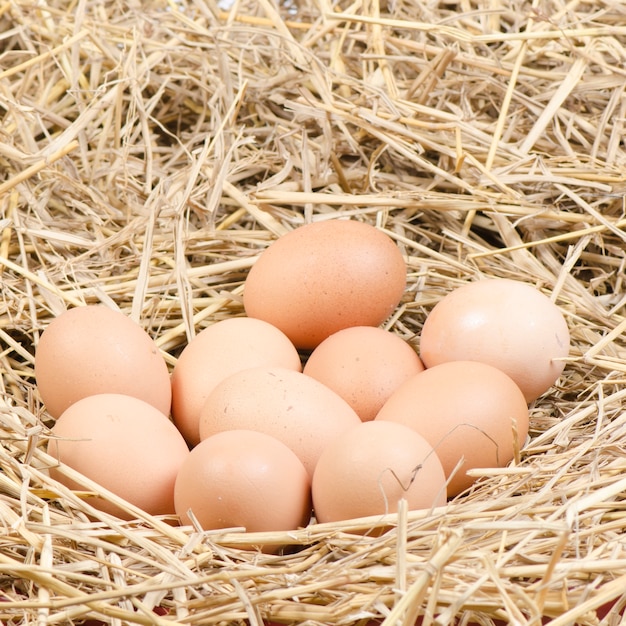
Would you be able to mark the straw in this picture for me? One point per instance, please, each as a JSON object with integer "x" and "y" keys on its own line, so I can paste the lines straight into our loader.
{"x": 149, "y": 152}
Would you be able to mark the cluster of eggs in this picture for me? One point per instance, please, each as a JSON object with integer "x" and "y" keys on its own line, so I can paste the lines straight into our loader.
{"x": 306, "y": 405}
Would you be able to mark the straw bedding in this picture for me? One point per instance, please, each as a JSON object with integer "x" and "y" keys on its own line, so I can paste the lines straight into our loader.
{"x": 150, "y": 151}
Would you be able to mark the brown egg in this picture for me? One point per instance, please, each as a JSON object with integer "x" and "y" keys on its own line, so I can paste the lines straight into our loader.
{"x": 288, "y": 405}
{"x": 243, "y": 478}
{"x": 364, "y": 365}
{"x": 124, "y": 444}
{"x": 325, "y": 276}
{"x": 506, "y": 323}
{"x": 368, "y": 469}
{"x": 471, "y": 413}
{"x": 218, "y": 351}
{"x": 93, "y": 349}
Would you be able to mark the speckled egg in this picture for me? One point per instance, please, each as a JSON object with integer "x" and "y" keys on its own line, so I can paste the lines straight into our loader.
{"x": 292, "y": 407}
{"x": 325, "y": 276}
{"x": 364, "y": 365}
{"x": 216, "y": 352}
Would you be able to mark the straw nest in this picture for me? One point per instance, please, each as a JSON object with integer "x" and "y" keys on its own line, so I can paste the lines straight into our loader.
{"x": 150, "y": 151}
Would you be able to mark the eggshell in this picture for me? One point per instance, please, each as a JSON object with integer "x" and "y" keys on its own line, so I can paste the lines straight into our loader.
{"x": 470, "y": 412}
{"x": 218, "y": 351}
{"x": 243, "y": 478}
{"x": 93, "y": 349}
{"x": 124, "y": 444}
{"x": 506, "y": 323}
{"x": 288, "y": 405}
{"x": 364, "y": 365}
{"x": 325, "y": 276}
{"x": 368, "y": 469}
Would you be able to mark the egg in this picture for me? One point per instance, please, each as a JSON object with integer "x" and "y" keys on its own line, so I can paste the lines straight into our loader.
{"x": 217, "y": 351}
{"x": 471, "y": 413}
{"x": 368, "y": 469}
{"x": 364, "y": 365}
{"x": 325, "y": 276}
{"x": 125, "y": 445}
{"x": 243, "y": 478}
{"x": 93, "y": 349}
{"x": 294, "y": 408}
{"x": 506, "y": 323}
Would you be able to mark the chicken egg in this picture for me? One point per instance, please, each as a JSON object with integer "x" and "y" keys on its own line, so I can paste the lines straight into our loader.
{"x": 243, "y": 478}
{"x": 368, "y": 469}
{"x": 325, "y": 276}
{"x": 217, "y": 351}
{"x": 506, "y": 323}
{"x": 93, "y": 349}
{"x": 471, "y": 413}
{"x": 125, "y": 445}
{"x": 294, "y": 408}
{"x": 364, "y": 365}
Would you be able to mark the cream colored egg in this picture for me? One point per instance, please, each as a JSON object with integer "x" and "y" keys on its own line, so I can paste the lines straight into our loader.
{"x": 506, "y": 323}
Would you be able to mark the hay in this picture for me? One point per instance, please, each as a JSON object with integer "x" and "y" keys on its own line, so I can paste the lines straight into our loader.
{"x": 150, "y": 151}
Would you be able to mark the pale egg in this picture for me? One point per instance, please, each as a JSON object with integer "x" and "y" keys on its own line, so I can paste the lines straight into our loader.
{"x": 292, "y": 407}
{"x": 125, "y": 445}
{"x": 368, "y": 469}
{"x": 506, "y": 323}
